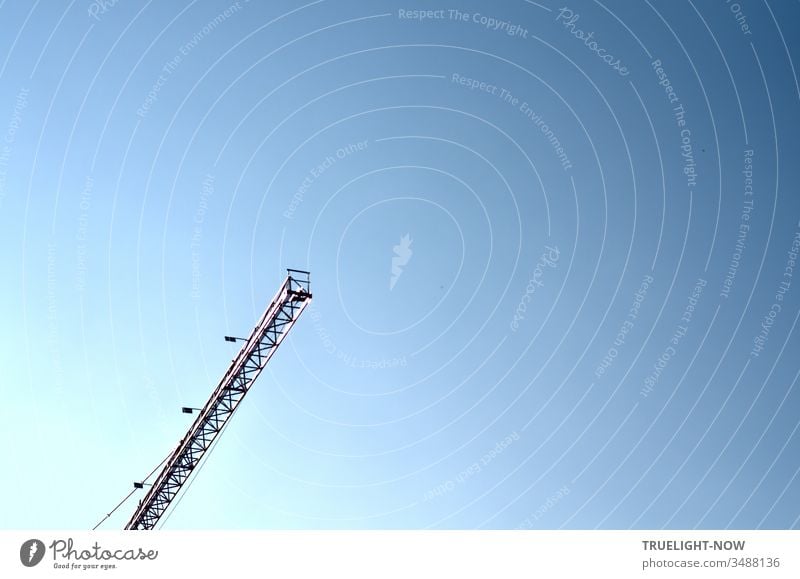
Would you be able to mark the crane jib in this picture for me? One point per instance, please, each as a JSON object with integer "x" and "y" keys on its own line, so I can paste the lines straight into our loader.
{"x": 273, "y": 326}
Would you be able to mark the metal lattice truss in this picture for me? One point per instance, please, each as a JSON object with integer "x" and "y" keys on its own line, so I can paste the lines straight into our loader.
{"x": 287, "y": 305}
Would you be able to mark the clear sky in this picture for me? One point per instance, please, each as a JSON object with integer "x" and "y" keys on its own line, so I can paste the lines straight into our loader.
{"x": 552, "y": 249}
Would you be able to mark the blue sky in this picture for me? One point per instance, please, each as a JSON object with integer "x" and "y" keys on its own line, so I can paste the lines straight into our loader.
{"x": 552, "y": 249}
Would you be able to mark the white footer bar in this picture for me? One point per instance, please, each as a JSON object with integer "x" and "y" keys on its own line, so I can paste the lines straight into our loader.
{"x": 390, "y": 554}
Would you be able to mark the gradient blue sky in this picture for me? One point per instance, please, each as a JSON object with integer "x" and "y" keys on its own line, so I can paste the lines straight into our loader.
{"x": 161, "y": 164}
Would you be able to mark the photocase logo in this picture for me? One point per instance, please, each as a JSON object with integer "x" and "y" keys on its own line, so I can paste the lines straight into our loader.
{"x": 402, "y": 254}
{"x": 32, "y": 552}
